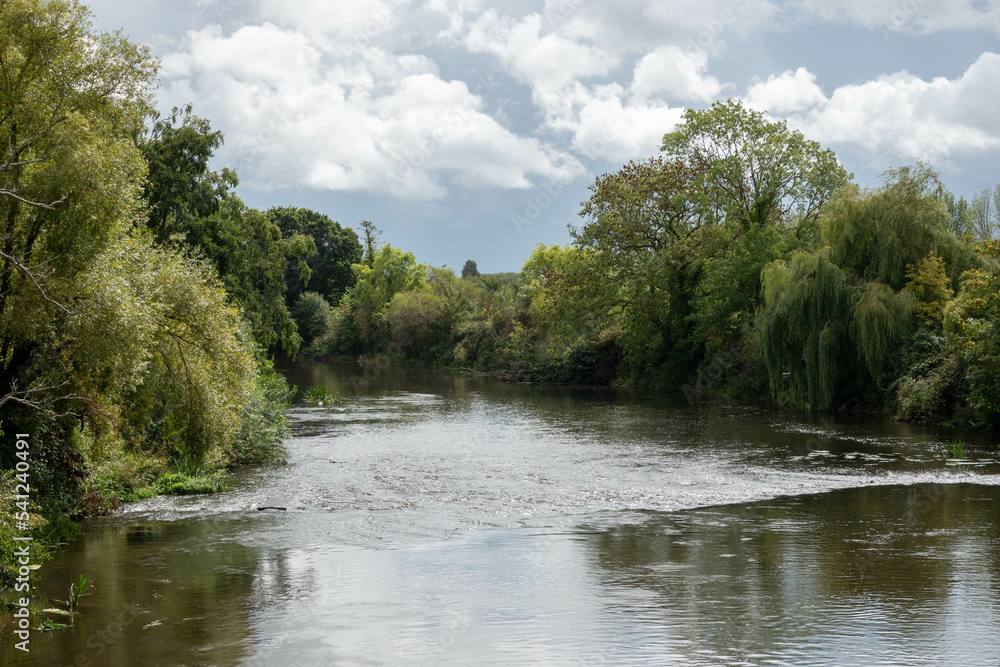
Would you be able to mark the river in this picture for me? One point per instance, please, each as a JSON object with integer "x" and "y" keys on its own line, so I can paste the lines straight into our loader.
{"x": 433, "y": 519}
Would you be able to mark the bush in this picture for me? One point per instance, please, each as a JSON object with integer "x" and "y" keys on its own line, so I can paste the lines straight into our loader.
{"x": 417, "y": 322}
{"x": 264, "y": 427}
{"x": 179, "y": 484}
{"x": 119, "y": 476}
{"x": 311, "y": 313}
{"x": 939, "y": 395}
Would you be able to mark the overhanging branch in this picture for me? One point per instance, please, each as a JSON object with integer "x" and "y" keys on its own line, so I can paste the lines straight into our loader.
{"x": 31, "y": 276}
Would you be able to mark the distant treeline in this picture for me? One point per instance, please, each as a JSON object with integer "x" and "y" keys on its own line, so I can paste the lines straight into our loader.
{"x": 741, "y": 262}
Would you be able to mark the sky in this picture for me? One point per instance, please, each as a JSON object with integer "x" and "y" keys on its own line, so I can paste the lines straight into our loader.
{"x": 467, "y": 129}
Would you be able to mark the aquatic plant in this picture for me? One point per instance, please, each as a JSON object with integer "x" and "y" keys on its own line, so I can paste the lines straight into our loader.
{"x": 76, "y": 592}
{"x": 320, "y": 395}
{"x": 954, "y": 449}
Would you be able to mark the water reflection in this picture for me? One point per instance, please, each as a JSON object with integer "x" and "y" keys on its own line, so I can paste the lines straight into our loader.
{"x": 883, "y": 575}
{"x": 162, "y": 593}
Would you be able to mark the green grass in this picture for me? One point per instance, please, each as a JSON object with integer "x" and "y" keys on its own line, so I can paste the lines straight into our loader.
{"x": 954, "y": 449}
{"x": 179, "y": 484}
{"x": 320, "y": 395}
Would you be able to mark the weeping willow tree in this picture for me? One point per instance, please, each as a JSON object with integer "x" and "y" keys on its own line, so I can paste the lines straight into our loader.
{"x": 878, "y": 234}
{"x": 832, "y": 318}
{"x": 801, "y": 328}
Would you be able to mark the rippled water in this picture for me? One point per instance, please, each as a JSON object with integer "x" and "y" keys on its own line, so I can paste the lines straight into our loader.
{"x": 433, "y": 519}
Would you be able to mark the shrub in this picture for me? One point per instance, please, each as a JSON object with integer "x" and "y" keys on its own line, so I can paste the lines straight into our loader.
{"x": 179, "y": 484}
{"x": 311, "y": 313}
{"x": 939, "y": 395}
{"x": 417, "y": 322}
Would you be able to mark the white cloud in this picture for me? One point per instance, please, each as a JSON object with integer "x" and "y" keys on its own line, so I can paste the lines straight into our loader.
{"x": 919, "y": 16}
{"x": 370, "y": 121}
{"x": 786, "y": 93}
{"x": 641, "y": 27}
{"x": 545, "y": 61}
{"x": 344, "y": 96}
{"x": 557, "y": 69}
{"x": 670, "y": 71}
{"x": 606, "y": 128}
{"x": 897, "y": 116}
{"x": 355, "y": 21}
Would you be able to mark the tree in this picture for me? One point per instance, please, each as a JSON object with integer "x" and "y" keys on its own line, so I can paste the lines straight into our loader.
{"x": 876, "y": 234}
{"x": 158, "y": 351}
{"x": 929, "y": 285}
{"x": 645, "y": 228}
{"x": 69, "y": 173}
{"x": 181, "y": 187}
{"x": 337, "y": 248}
{"x": 194, "y": 206}
{"x": 370, "y": 233}
{"x": 470, "y": 270}
{"x": 311, "y": 313}
{"x": 832, "y": 317}
{"x": 984, "y": 214}
{"x": 975, "y": 324}
{"x": 755, "y": 170}
{"x": 363, "y": 309}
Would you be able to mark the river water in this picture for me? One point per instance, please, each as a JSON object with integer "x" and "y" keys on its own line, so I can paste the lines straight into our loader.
{"x": 433, "y": 519}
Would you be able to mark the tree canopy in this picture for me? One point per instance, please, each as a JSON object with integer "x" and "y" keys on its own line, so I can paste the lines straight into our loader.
{"x": 70, "y": 102}
{"x": 191, "y": 205}
{"x": 337, "y": 248}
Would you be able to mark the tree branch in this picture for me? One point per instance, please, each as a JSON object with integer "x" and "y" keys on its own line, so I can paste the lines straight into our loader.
{"x": 50, "y": 207}
{"x": 25, "y": 397}
{"x": 31, "y": 276}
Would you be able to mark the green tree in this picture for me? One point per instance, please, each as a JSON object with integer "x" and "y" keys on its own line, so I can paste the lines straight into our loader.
{"x": 181, "y": 187}
{"x": 832, "y": 317}
{"x": 370, "y": 235}
{"x": 158, "y": 352}
{"x": 311, "y": 313}
{"x": 337, "y": 248}
{"x": 929, "y": 284}
{"x": 470, "y": 270}
{"x": 70, "y": 102}
{"x": 974, "y": 320}
{"x": 362, "y": 311}
{"x": 752, "y": 169}
{"x": 644, "y": 231}
{"x": 251, "y": 257}
{"x": 192, "y": 205}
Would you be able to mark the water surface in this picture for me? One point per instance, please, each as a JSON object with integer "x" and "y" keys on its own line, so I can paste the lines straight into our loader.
{"x": 434, "y": 519}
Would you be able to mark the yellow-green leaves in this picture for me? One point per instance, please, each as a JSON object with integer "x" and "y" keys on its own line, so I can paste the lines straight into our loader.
{"x": 930, "y": 286}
